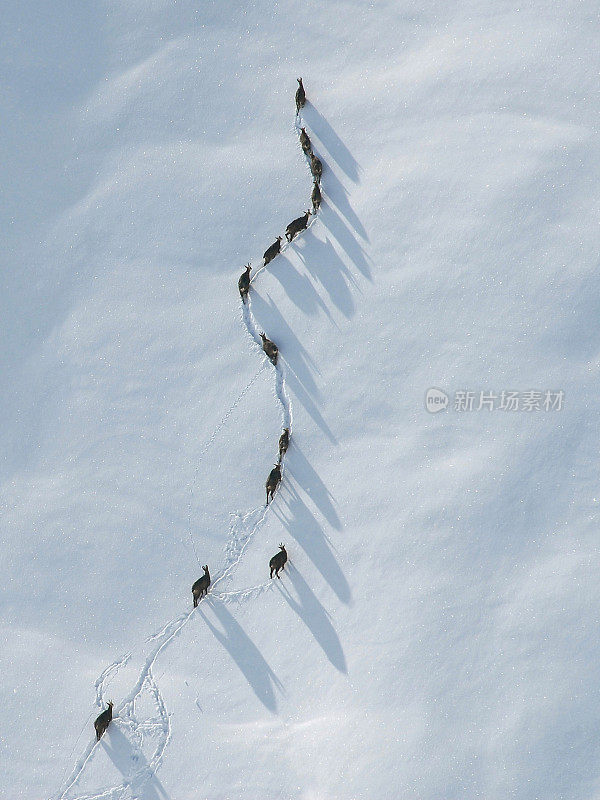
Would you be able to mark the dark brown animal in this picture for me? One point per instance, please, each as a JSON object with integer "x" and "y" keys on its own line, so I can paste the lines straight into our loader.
{"x": 200, "y": 587}
{"x": 316, "y": 167}
{"x": 273, "y": 481}
{"x": 272, "y": 251}
{"x": 300, "y": 96}
{"x": 278, "y": 561}
{"x": 244, "y": 283}
{"x": 296, "y": 226}
{"x": 270, "y": 348}
{"x": 284, "y": 441}
{"x": 316, "y": 197}
{"x": 305, "y": 142}
{"x": 103, "y": 721}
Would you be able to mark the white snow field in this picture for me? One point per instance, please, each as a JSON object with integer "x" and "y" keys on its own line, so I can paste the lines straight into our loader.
{"x": 434, "y": 635}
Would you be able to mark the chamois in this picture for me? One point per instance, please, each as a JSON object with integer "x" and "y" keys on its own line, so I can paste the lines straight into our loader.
{"x": 272, "y": 251}
{"x": 200, "y": 587}
{"x": 270, "y": 348}
{"x": 296, "y": 226}
{"x": 300, "y": 96}
{"x": 103, "y": 721}
{"x": 316, "y": 197}
{"x": 244, "y": 283}
{"x": 278, "y": 561}
{"x": 316, "y": 167}
{"x": 305, "y": 141}
{"x": 273, "y": 481}
{"x": 284, "y": 441}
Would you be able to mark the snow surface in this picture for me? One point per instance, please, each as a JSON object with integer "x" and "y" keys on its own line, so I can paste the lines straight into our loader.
{"x": 435, "y": 634}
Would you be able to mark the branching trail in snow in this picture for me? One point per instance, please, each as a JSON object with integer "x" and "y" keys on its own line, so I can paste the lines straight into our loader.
{"x": 148, "y": 738}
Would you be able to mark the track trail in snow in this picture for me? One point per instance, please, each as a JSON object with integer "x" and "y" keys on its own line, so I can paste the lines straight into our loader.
{"x": 145, "y": 760}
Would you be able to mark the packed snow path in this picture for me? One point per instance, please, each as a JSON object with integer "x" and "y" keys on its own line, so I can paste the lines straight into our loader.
{"x": 127, "y": 722}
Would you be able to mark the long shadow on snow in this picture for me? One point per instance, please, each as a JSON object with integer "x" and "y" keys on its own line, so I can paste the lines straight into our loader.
{"x": 298, "y": 374}
{"x": 306, "y": 476}
{"x": 245, "y": 653}
{"x": 329, "y": 269}
{"x": 132, "y": 765}
{"x": 298, "y": 288}
{"x": 338, "y": 229}
{"x": 299, "y": 359}
{"x": 337, "y": 149}
{"x": 335, "y": 190}
{"x": 314, "y": 616}
{"x": 305, "y": 529}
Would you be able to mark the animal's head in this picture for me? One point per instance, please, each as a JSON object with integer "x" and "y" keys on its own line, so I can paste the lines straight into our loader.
{"x": 279, "y": 238}
{"x": 205, "y": 568}
{"x": 281, "y": 547}
{"x": 299, "y": 81}
{"x": 110, "y": 704}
